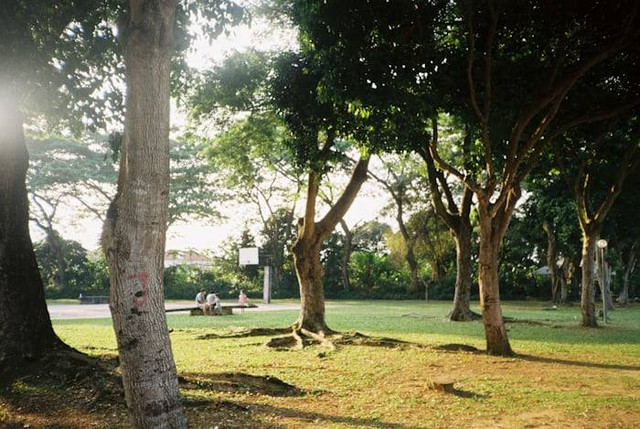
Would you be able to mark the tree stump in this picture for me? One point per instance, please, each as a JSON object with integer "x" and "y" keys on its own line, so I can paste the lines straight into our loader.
{"x": 442, "y": 384}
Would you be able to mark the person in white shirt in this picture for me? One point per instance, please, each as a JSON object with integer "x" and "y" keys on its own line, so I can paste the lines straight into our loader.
{"x": 202, "y": 303}
{"x": 214, "y": 303}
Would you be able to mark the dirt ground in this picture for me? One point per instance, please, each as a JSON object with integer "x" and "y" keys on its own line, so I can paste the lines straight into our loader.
{"x": 80, "y": 392}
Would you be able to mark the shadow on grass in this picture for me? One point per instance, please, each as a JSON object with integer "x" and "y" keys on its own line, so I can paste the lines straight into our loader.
{"x": 315, "y": 419}
{"x": 64, "y": 388}
{"x": 253, "y": 415}
{"x": 466, "y": 394}
{"x": 239, "y": 383}
{"x": 541, "y": 359}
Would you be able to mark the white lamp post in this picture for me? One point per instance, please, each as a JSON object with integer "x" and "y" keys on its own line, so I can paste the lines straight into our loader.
{"x": 602, "y": 244}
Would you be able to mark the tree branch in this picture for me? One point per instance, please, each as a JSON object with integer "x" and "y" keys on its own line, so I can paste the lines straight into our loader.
{"x": 337, "y": 212}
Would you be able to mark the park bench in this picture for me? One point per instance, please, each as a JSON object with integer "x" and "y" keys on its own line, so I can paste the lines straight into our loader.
{"x": 96, "y": 299}
{"x": 197, "y": 311}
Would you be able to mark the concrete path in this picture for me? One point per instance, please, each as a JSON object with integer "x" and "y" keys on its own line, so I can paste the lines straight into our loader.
{"x": 98, "y": 311}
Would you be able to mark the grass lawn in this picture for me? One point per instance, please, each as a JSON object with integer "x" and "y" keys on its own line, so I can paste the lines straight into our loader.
{"x": 563, "y": 376}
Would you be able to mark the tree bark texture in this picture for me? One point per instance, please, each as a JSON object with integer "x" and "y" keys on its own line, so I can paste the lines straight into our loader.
{"x": 461, "y": 311}
{"x": 552, "y": 257}
{"x": 306, "y": 257}
{"x": 492, "y": 229}
{"x": 306, "y": 249}
{"x": 630, "y": 265}
{"x": 588, "y": 296}
{"x": 134, "y": 233}
{"x": 56, "y": 246}
{"x": 410, "y": 255}
{"x": 346, "y": 256}
{"x": 25, "y": 327}
{"x": 456, "y": 217}
{"x": 565, "y": 276}
{"x": 604, "y": 283}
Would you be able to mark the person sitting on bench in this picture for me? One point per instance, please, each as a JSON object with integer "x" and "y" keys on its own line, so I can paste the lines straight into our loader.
{"x": 214, "y": 303}
{"x": 202, "y": 303}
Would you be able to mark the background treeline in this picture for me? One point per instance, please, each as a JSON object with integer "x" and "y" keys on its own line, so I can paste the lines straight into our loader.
{"x": 377, "y": 268}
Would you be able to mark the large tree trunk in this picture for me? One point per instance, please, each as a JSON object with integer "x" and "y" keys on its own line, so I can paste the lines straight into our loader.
{"x": 491, "y": 234}
{"x": 306, "y": 249}
{"x": 25, "y": 327}
{"x": 552, "y": 257}
{"x": 461, "y": 311}
{"x": 306, "y": 257}
{"x": 588, "y": 297}
{"x": 134, "y": 233}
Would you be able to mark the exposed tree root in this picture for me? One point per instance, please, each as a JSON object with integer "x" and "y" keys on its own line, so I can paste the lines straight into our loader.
{"x": 253, "y": 332}
{"x": 239, "y": 383}
{"x": 299, "y": 338}
{"x": 417, "y": 316}
{"x": 453, "y": 347}
{"x": 356, "y": 338}
{"x": 545, "y": 322}
{"x": 283, "y": 343}
{"x": 304, "y": 338}
{"x": 467, "y": 316}
{"x": 320, "y": 337}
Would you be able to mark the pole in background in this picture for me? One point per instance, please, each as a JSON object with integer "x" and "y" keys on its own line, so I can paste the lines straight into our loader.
{"x": 602, "y": 245}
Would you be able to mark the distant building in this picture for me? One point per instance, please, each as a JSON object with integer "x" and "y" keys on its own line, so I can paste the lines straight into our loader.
{"x": 186, "y": 257}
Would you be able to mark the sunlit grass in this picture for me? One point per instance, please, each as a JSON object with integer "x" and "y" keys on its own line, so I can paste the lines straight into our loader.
{"x": 565, "y": 375}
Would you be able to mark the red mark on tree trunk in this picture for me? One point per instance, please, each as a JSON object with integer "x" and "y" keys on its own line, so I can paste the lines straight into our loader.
{"x": 140, "y": 283}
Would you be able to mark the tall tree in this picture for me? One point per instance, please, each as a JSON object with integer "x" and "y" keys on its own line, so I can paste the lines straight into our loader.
{"x": 553, "y": 231}
{"x": 134, "y": 233}
{"x": 606, "y": 156}
{"x": 456, "y": 214}
{"x": 315, "y": 125}
{"x": 517, "y": 103}
{"x": 624, "y": 232}
{"x": 506, "y": 71}
{"x": 25, "y": 327}
{"x": 311, "y": 136}
{"x": 401, "y": 177}
{"x": 40, "y": 43}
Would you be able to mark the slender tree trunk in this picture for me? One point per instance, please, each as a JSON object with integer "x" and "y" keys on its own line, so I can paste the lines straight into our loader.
{"x": 25, "y": 327}
{"x": 605, "y": 286}
{"x": 346, "y": 257}
{"x": 552, "y": 257}
{"x": 413, "y": 268}
{"x": 630, "y": 264}
{"x": 56, "y": 247}
{"x": 565, "y": 279}
{"x": 588, "y": 297}
{"x": 409, "y": 256}
{"x": 134, "y": 233}
{"x": 306, "y": 257}
{"x": 490, "y": 241}
{"x": 461, "y": 311}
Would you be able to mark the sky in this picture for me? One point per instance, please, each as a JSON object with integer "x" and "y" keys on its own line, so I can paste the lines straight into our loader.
{"x": 207, "y": 235}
